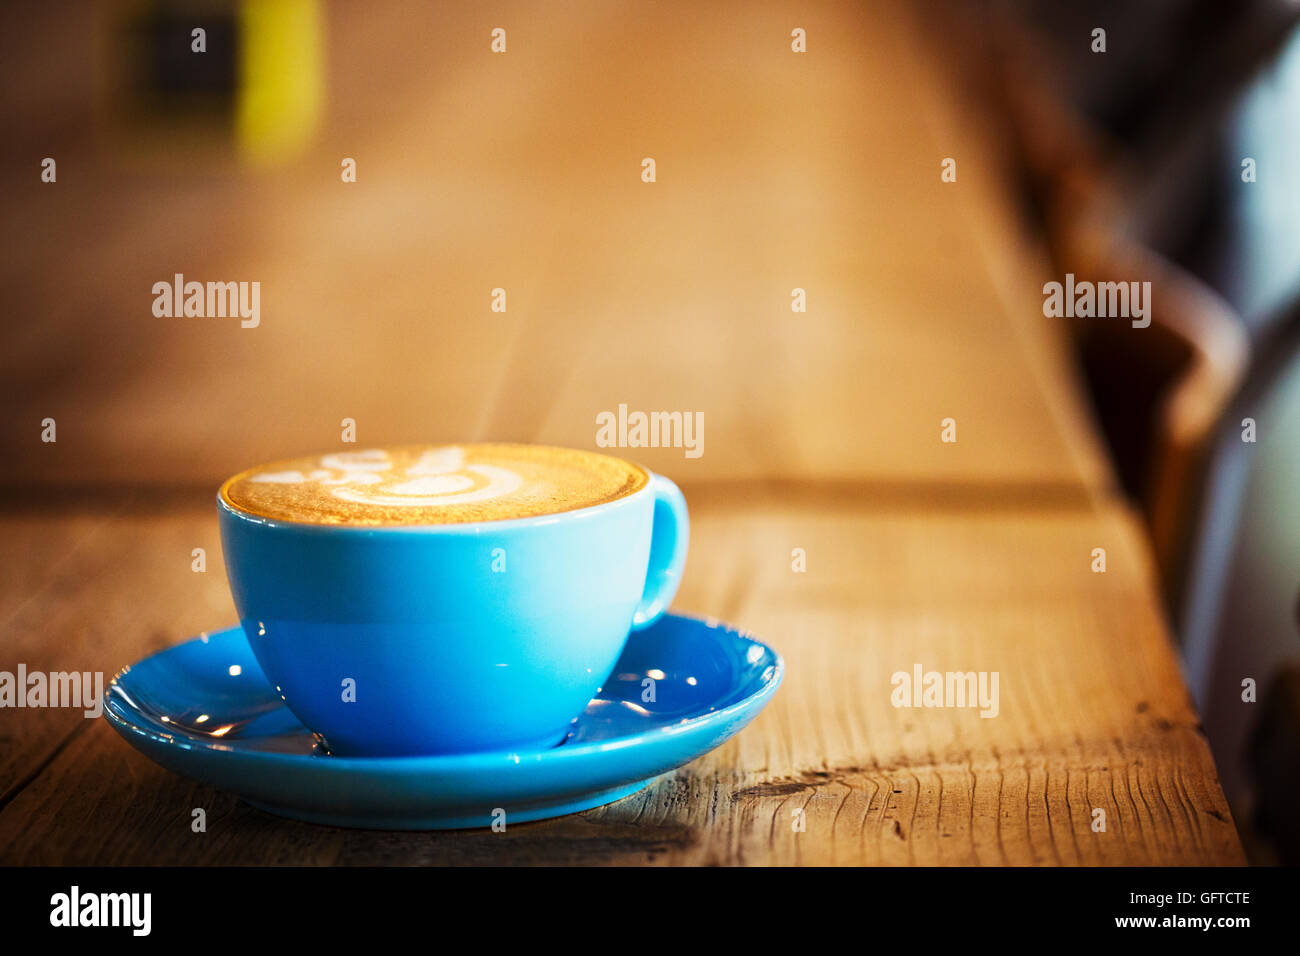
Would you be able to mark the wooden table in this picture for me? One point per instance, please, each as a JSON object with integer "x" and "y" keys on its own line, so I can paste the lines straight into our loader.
{"x": 1093, "y": 713}
{"x": 823, "y": 432}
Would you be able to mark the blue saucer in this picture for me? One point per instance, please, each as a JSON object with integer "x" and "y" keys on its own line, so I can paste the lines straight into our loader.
{"x": 205, "y": 710}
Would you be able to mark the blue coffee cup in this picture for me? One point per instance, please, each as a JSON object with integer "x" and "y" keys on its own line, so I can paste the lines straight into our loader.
{"x": 452, "y": 638}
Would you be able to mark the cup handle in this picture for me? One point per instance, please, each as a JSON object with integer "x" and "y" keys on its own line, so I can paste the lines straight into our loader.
{"x": 669, "y": 538}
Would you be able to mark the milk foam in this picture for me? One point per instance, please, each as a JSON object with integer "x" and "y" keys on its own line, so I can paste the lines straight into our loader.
{"x": 439, "y": 477}
{"x": 446, "y": 484}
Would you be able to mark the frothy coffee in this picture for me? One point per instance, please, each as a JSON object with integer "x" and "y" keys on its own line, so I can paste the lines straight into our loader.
{"x": 428, "y": 484}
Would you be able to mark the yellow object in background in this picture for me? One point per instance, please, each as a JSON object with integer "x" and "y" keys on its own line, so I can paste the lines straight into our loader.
{"x": 194, "y": 82}
{"x": 281, "y": 78}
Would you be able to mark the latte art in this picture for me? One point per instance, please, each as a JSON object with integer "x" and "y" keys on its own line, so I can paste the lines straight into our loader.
{"x": 432, "y": 485}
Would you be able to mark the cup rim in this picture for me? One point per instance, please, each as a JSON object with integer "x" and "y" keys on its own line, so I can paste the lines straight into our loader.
{"x": 224, "y": 504}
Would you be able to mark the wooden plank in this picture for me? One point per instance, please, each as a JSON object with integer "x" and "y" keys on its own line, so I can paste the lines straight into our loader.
{"x": 776, "y": 170}
{"x": 92, "y": 592}
{"x": 818, "y": 171}
{"x": 1092, "y": 711}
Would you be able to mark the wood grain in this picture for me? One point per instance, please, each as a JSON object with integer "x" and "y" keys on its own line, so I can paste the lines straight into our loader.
{"x": 775, "y": 171}
{"x": 1093, "y": 713}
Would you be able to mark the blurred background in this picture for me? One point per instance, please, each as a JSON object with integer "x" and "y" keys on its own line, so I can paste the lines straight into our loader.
{"x": 1169, "y": 155}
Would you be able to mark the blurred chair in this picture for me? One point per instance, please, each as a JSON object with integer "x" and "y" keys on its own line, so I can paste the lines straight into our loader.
{"x": 1158, "y": 392}
{"x": 1134, "y": 165}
